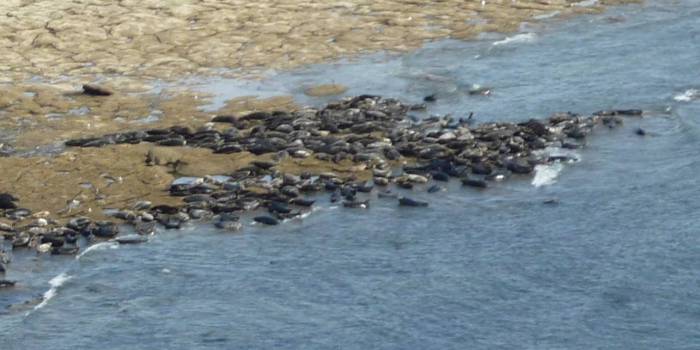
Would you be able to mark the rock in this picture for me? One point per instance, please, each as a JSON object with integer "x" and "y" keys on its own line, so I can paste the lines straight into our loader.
{"x": 430, "y": 98}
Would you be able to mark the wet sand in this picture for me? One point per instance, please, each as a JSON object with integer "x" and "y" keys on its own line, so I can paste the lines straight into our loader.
{"x": 144, "y": 40}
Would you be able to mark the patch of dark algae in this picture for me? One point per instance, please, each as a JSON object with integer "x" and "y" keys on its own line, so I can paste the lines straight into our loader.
{"x": 346, "y": 149}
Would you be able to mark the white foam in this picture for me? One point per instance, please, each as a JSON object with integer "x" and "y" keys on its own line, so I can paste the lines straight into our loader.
{"x": 98, "y": 246}
{"x": 518, "y": 38}
{"x": 546, "y": 174}
{"x": 688, "y": 95}
{"x": 55, "y": 283}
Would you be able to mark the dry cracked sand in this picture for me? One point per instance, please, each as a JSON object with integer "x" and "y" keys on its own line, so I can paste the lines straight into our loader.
{"x": 129, "y": 45}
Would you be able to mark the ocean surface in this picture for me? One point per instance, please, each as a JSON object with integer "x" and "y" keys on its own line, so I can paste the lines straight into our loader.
{"x": 615, "y": 264}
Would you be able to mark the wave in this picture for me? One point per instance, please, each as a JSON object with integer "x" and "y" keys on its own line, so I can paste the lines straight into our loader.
{"x": 55, "y": 283}
{"x": 688, "y": 95}
{"x": 519, "y": 38}
{"x": 546, "y": 174}
{"x": 98, "y": 246}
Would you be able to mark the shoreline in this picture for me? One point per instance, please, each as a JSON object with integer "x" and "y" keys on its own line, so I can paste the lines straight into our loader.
{"x": 58, "y": 184}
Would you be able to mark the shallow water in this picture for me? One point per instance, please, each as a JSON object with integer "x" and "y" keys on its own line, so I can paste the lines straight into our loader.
{"x": 612, "y": 265}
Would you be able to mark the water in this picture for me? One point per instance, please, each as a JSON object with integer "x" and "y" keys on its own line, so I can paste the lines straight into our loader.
{"x": 612, "y": 265}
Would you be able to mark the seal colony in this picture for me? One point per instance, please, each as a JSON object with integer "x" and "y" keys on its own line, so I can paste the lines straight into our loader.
{"x": 374, "y": 140}
{"x": 263, "y": 160}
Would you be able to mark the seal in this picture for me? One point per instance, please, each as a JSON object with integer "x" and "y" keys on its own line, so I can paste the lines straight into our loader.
{"x": 7, "y": 201}
{"x": 474, "y": 182}
{"x": 7, "y": 284}
{"x": 65, "y": 250}
{"x": 435, "y": 188}
{"x": 131, "y": 239}
{"x": 409, "y": 202}
{"x": 266, "y": 220}
{"x": 105, "y": 229}
{"x": 94, "y": 90}
{"x": 278, "y": 207}
{"x": 303, "y": 202}
{"x": 356, "y": 204}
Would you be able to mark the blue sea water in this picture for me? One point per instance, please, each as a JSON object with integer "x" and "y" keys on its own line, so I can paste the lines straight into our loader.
{"x": 614, "y": 265}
